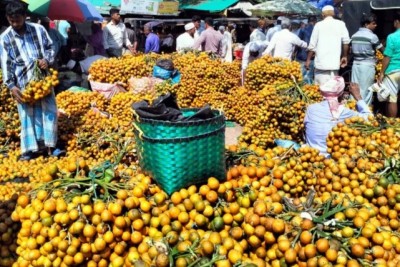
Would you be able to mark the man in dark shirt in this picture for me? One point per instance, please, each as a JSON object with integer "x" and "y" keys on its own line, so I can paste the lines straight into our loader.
{"x": 131, "y": 36}
{"x": 305, "y": 35}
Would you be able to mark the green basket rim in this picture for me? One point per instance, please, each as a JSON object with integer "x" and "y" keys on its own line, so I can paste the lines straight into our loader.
{"x": 181, "y": 139}
{"x": 219, "y": 117}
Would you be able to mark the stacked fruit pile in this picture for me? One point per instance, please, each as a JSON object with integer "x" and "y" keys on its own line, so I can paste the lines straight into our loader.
{"x": 270, "y": 71}
{"x": 9, "y": 122}
{"x": 276, "y": 207}
{"x": 281, "y": 116}
{"x": 8, "y": 232}
{"x": 120, "y": 70}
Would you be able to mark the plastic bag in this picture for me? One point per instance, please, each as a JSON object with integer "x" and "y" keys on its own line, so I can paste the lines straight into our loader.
{"x": 107, "y": 89}
{"x": 144, "y": 85}
{"x": 161, "y": 73}
{"x": 166, "y": 64}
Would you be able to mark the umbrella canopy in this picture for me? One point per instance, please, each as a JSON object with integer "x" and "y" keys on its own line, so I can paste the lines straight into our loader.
{"x": 244, "y": 7}
{"x": 153, "y": 24}
{"x": 285, "y": 7}
{"x": 72, "y": 10}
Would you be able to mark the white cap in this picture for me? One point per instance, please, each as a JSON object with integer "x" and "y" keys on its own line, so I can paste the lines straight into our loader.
{"x": 189, "y": 26}
{"x": 221, "y": 28}
{"x": 280, "y": 18}
{"x": 254, "y": 47}
{"x": 71, "y": 64}
{"x": 328, "y": 8}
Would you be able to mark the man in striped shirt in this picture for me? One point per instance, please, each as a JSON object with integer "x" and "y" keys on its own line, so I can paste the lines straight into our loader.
{"x": 363, "y": 45}
{"x": 22, "y": 44}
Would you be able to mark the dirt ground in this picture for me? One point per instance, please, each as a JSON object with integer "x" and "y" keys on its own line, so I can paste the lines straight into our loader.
{"x": 232, "y": 134}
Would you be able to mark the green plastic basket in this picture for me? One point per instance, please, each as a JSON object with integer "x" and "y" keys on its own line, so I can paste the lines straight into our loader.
{"x": 176, "y": 161}
{"x": 166, "y": 129}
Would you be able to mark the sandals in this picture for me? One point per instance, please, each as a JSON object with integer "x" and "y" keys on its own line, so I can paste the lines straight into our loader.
{"x": 27, "y": 156}
{"x": 32, "y": 155}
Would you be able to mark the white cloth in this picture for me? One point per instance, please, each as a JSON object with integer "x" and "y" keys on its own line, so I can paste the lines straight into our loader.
{"x": 247, "y": 58}
{"x": 257, "y": 35}
{"x": 227, "y": 46}
{"x": 87, "y": 62}
{"x": 326, "y": 41}
{"x": 184, "y": 41}
{"x": 283, "y": 44}
{"x": 115, "y": 36}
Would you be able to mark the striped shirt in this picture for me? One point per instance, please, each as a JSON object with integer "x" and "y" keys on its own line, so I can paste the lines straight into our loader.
{"x": 19, "y": 53}
{"x": 364, "y": 44}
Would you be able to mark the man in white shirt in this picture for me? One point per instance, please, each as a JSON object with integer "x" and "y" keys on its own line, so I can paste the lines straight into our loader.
{"x": 275, "y": 29}
{"x": 186, "y": 40}
{"x": 115, "y": 35}
{"x": 226, "y": 44}
{"x": 330, "y": 44}
{"x": 256, "y": 34}
{"x": 284, "y": 42}
{"x": 251, "y": 52}
{"x": 196, "y": 20}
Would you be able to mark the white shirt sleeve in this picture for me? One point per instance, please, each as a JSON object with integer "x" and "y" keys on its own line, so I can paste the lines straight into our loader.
{"x": 297, "y": 41}
{"x": 271, "y": 46}
{"x": 314, "y": 38}
{"x": 246, "y": 56}
{"x": 345, "y": 34}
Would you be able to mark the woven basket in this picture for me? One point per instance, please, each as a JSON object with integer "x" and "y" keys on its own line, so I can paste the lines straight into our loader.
{"x": 182, "y": 153}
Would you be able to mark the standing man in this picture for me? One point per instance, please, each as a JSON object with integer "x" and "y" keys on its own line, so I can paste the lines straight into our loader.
{"x": 301, "y": 57}
{"x": 196, "y": 20}
{"x": 185, "y": 41}
{"x": 390, "y": 73}
{"x": 152, "y": 41}
{"x": 256, "y": 34}
{"x": 64, "y": 29}
{"x": 274, "y": 29}
{"x": 210, "y": 40}
{"x": 363, "y": 45}
{"x": 226, "y": 44}
{"x": 284, "y": 42}
{"x": 131, "y": 36}
{"x": 22, "y": 45}
{"x": 115, "y": 36}
{"x": 330, "y": 45}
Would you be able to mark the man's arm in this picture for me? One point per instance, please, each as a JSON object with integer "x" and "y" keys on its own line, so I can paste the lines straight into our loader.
{"x": 8, "y": 68}
{"x": 199, "y": 42}
{"x": 298, "y": 42}
{"x": 312, "y": 46}
{"x": 271, "y": 46}
{"x": 362, "y": 107}
{"x": 385, "y": 64}
{"x": 345, "y": 53}
{"x": 49, "y": 48}
{"x": 126, "y": 40}
{"x": 105, "y": 38}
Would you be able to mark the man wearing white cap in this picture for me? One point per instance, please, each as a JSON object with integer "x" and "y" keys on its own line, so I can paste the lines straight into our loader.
{"x": 330, "y": 44}
{"x": 274, "y": 29}
{"x": 251, "y": 52}
{"x": 284, "y": 42}
{"x": 323, "y": 116}
{"x": 186, "y": 40}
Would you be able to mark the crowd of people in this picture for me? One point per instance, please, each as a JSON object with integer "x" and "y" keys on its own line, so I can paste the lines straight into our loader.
{"x": 321, "y": 47}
